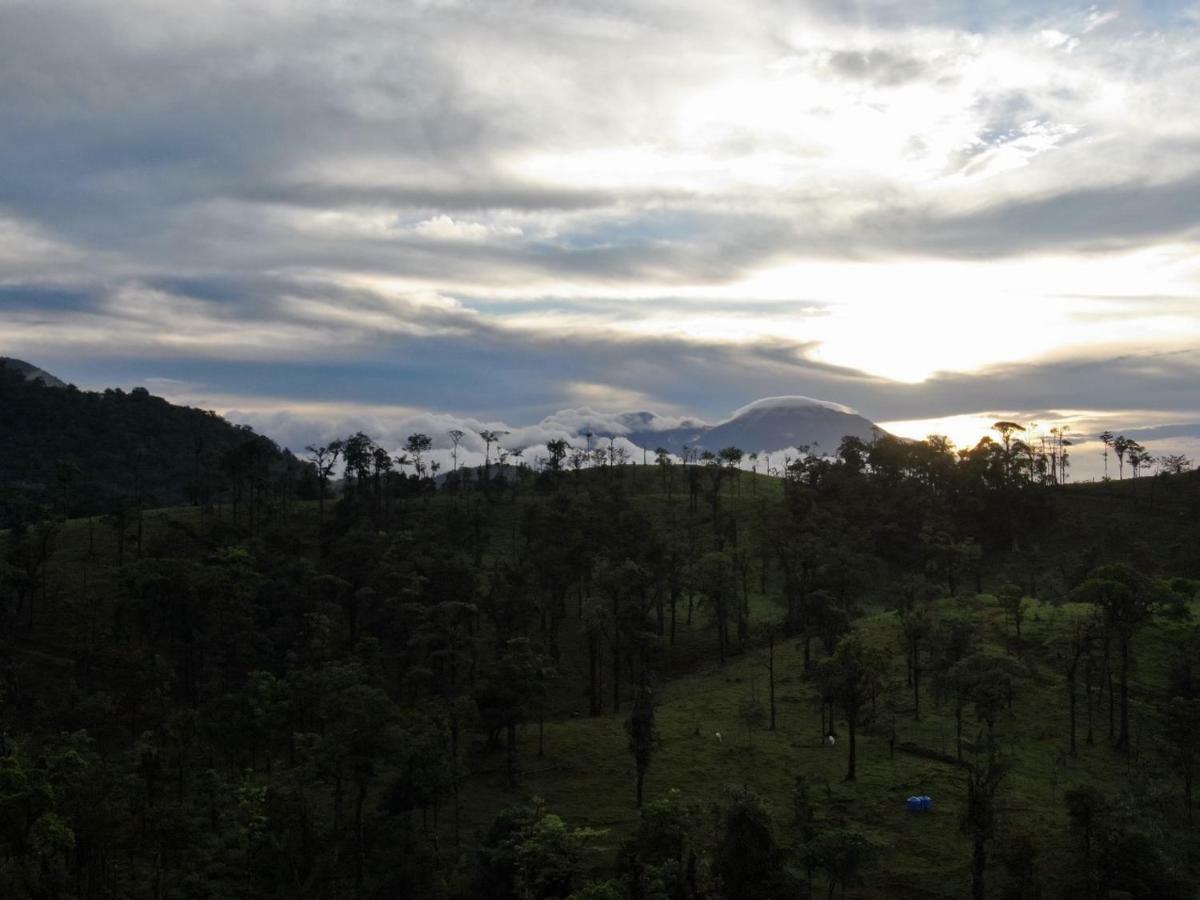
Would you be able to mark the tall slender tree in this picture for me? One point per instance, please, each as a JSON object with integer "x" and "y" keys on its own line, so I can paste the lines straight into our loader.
{"x": 642, "y": 735}
{"x": 456, "y": 436}
{"x": 850, "y": 678}
{"x": 1106, "y": 438}
{"x": 324, "y": 459}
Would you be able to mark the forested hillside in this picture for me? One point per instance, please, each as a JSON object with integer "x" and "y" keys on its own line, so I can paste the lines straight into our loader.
{"x": 86, "y": 452}
{"x": 611, "y": 681}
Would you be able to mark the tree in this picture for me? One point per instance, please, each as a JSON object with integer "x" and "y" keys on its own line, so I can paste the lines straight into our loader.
{"x": 985, "y": 681}
{"x": 1087, "y": 810}
{"x": 489, "y": 437}
{"x": 1182, "y": 730}
{"x": 747, "y": 858}
{"x": 714, "y": 579}
{"x": 456, "y": 436}
{"x": 850, "y": 678}
{"x": 979, "y": 812}
{"x": 506, "y": 699}
{"x": 732, "y": 457}
{"x": 1175, "y": 463}
{"x": 662, "y": 458}
{"x": 1080, "y": 640}
{"x": 771, "y": 672}
{"x": 842, "y": 854}
{"x": 549, "y": 858}
{"x": 595, "y": 628}
{"x": 417, "y": 446}
{"x": 916, "y": 624}
{"x": 324, "y": 458}
{"x": 1116, "y": 856}
{"x": 359, "y": 738}
{"x": 557, "y": 449}
{"x": 662, "y": 857}
{"x": 381, "y": 471}
{"x": 529, "y": 854}
{"x": 1009, "y": 459}
{"x": 30, "y": 551}
{"x": 751, "y": 714}
{"x": 1012, "y": 601}
{"x": 356, "y": 452}
{"x": 623, "y": 584}
{"x": 988, "y": 683}
{"x": 642, "y": 737}
{"x": 946, "y": 557}
{"x": 1018, "y": 855}
{"x": 1120, "y": 445}
{"x": 1106, "y": 438}
{"x": 1124, "y": 597}
{"x": 1137, "y": 456}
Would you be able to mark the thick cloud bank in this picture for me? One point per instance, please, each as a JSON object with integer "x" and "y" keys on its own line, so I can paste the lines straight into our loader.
{"x": 919, "y": 210}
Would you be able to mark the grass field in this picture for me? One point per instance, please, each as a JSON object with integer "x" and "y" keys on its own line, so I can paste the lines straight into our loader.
{"x": 587, "y": 773}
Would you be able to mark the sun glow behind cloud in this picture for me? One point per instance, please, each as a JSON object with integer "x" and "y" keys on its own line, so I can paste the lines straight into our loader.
{"x": 906, "y": 320}
{"x": 1080, "y": 427}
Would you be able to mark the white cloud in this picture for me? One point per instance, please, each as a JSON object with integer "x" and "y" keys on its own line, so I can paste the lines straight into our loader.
{"x": 443, "y": 228}
{"x": 1054, "y": 39}
{"x": 1098, "y": 19}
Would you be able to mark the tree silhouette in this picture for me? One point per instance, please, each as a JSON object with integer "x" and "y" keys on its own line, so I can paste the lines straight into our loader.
{"x": 642, "y": 736}
{"x": 849, "y": 678}
{"x": 417, "y": 446}
{"x": 1106, "y": 438}
{"x": 456, "y": 436}
{"x": 978, "y": 822}
{"x": 1124, "y": 597}
{"x": 1121, "y": 445}
{"x": 324, "y": 458}
{"x": 1182, "y": 717}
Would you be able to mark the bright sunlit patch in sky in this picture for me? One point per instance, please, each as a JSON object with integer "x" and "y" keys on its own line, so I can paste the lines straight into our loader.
{"x": 1159, "y": 432}
{"x": 964, "y": 430}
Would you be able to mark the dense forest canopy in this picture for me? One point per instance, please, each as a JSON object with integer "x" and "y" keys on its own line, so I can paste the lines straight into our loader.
{"x": 588, "y": 678}
{"x": 88, "y": 451}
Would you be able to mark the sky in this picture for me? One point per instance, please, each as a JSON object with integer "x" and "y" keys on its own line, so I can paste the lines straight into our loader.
{"x": 314, "y": 215}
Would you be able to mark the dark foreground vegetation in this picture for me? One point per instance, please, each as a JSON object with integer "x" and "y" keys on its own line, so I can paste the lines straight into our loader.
{"x": 605, "y": 681}
{"x": 111, "y": 452}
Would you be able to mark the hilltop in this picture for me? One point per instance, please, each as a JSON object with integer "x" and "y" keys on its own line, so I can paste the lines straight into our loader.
{"x": 83, "y": 451}
{"x": 31, "y": 372}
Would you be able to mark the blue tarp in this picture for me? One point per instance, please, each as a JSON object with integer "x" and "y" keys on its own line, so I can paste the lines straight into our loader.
{"x": 923, "y": 802}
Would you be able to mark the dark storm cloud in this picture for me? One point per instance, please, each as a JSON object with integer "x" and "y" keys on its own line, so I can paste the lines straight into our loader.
{"x": 1161, "y": 432}
{"x": 1096, "y": 219}
{"x": 46, "y": 301}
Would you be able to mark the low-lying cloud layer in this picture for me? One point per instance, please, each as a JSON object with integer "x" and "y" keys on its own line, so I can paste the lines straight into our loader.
{"x": 323, "y": 214}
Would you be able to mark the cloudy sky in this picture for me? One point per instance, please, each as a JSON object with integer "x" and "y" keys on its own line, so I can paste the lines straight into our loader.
{"x": 321, "y": 212}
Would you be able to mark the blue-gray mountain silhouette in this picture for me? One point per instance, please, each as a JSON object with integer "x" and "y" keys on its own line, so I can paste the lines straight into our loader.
{"x": 31, "y": 372}
{"x": 770, "y": 424}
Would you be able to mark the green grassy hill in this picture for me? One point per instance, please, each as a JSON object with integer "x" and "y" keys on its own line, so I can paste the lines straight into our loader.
{"x": 166, "y": 654}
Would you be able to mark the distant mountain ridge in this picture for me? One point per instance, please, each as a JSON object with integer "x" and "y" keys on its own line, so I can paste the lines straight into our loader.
{"x": 31, "y": 372}
{"x": 83, "y": 451}
{"x": 767, "y": 425}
